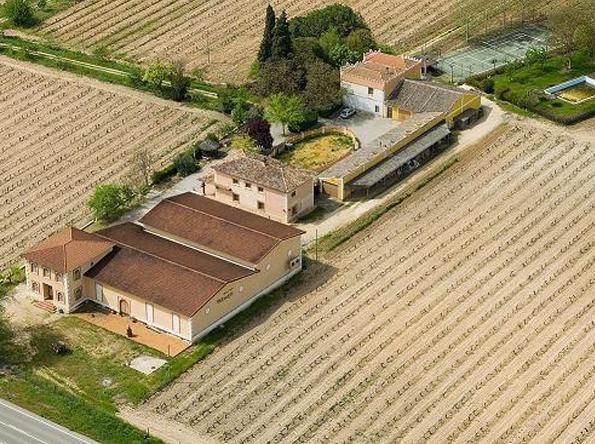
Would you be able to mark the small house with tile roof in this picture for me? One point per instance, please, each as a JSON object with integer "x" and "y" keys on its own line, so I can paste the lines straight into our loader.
{"x": 186, "y": 267}
{"x": 55, "y": 267}
{"x": 265, "y": 186}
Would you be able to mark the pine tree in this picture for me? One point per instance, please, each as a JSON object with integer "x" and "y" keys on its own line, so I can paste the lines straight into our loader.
{"x": 282, "y": 47}
{"x": 266, "y": 46}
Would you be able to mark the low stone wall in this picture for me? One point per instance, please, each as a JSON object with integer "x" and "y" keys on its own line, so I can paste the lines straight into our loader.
{"x": 313, "y": 133}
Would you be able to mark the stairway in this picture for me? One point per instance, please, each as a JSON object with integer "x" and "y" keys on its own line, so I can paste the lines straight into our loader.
{"x": 45, "y": 305}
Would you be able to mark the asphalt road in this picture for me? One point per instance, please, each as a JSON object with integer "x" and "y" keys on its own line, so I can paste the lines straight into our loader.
{"x": 18, "y": 426}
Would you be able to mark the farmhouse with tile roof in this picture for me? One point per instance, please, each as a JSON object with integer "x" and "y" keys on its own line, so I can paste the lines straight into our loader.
{"x": 187, "y": 266}
{"x": 369, "y": 83}
{"x": 265, "y": 186}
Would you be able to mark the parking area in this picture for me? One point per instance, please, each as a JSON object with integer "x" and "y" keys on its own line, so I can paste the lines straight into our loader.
{"x": 366, "y": 127}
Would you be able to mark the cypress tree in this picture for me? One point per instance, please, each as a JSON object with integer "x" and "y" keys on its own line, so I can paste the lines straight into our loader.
{"x": 266, "y": 46}
{"x": 282, "y": 47}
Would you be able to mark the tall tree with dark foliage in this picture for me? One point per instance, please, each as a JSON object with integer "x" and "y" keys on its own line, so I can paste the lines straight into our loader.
{"x": 266, "y": 46}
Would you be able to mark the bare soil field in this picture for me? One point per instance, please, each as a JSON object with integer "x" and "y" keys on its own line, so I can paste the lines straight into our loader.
{"x": 61, "y": 135}
{"x": 229, "y": 29}
{"x": 465, "y": 314}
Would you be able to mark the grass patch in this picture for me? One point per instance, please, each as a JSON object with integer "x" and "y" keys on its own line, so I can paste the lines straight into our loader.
{"x": 336, "y": 238}
{"x": 91, "y": 380}
{"x": 522, "y": 85}
{"x": 318, "y": 153}
{"x": 84, "y": 416}
{"x": 315, "y": 215}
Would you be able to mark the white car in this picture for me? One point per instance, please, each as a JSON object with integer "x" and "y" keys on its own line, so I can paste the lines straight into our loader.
{"x": 347, "y": 112}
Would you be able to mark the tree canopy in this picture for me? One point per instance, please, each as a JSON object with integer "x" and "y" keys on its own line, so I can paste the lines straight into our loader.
{"x": 109, "y": 202}
{"x": 19, "y": 12}
{"x": 266, "y": 46}
{"x": 259, "y": 130}
{"x": 282, "y": 47}
{"x": 344, "y": 19}
{"x": 285, "y": 110}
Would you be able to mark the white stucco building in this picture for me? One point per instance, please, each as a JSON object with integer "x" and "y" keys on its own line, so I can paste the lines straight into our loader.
{"x": 369, "y": 83}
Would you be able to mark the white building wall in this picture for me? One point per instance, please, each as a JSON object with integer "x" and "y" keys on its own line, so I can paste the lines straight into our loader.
{"x": 357, "y": 97}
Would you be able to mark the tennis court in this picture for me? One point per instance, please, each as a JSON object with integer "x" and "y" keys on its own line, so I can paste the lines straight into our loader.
{"x": 492, "y": 53}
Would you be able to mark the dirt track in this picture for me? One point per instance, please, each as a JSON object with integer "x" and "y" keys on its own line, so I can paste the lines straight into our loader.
{"x": 61, "y": 135}
{"x": 465, "y": 314}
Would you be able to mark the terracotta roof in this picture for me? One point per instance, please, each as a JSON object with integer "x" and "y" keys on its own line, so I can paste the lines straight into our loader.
{"x": 176, "y": 288}
{"x": 421, "y": 96}
{"x": 218, "y": 227}
{"x": 265, "y": 171}
{"x": 169, "y": 274}
{"x": 134, "y": 236}
{"x": 67, "y": 250}
{"x": 376, "y": 69}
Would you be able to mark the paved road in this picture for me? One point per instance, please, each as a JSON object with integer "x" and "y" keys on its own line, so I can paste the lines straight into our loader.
{"x": 18, "y": 426}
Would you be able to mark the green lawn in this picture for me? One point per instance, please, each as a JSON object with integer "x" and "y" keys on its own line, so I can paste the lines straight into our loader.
{"x": 81, "y": 390}
{"x": 318, "y": 153}
{"x": 523, "y": 86}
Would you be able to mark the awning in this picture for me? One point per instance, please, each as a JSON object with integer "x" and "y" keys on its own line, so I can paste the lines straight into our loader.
{"x": 409, "y": 152}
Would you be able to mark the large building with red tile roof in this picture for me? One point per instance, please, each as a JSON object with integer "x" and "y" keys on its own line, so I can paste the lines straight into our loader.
{"x": 187, "y": 266}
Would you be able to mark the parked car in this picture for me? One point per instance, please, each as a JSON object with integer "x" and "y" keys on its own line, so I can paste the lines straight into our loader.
{"x": 347, "y": 113}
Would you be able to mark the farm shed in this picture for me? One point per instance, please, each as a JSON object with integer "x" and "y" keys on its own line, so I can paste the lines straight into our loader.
{"x": 400, "y": 164}
{"x": 370, "y": 155}
{"x": 420, "y": 96}
{"x": 186, "y": 267}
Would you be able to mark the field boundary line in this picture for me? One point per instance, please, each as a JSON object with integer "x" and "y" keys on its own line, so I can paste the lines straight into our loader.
{"x": 97, "y": 68}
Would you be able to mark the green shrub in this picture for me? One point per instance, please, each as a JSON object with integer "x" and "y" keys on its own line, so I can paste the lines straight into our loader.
{"x": 19, "y": 12}
{"x": 109, "y": 202}
{"x": 488, "y": 85}
{"x": 163, "y": 174}
{"x": 185, "y": 164}
{"x": 310, "y": 119}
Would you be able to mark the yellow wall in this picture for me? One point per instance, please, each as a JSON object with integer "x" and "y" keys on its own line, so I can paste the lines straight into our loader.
{"x": 236, "y": 293}
{"x": 468, "y": 101}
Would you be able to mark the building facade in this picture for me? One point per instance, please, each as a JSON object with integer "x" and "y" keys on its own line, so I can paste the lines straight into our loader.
{"x": 185, "y": 268}
{"x": 264, "y": 186}
{"x": 369, "y": 83}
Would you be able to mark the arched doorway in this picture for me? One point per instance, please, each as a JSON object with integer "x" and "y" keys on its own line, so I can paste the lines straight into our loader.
{"x": 124, "y": 307}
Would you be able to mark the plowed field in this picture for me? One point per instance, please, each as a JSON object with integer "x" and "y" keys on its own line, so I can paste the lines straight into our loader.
{"x": 230, "y": 30}
{"x": 466, "y": 314}
{"x": 61, "y": 135}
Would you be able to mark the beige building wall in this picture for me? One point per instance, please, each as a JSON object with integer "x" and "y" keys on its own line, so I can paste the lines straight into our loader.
{"x": 278, "y": 266}
{"x": 68, "y": 290}
{"x": 163, "y": 319}
{"x": 36, "y": 280}
{"x": 275, "y": 205}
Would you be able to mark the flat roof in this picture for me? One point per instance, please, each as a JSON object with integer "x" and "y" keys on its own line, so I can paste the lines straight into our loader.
{"x": 380, "y": 146}
{"x": 166, "y": 273}
{"x": 218, "y": 227}
{"x": 411, "y": 150}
